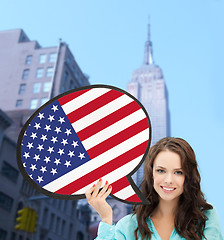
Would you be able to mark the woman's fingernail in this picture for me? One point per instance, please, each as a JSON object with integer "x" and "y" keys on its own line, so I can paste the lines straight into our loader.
{"x": 100, "y": 180}
{"x": 94, "y": 185}
{"x": 110, "y": 186}
{"x": 106, "y": 182}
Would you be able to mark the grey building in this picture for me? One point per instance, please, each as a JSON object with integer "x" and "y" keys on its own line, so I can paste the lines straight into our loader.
{"x": 148, "y": 86}
{"x": 31, "y": 75}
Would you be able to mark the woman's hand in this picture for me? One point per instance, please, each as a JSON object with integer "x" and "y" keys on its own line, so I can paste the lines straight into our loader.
{"x": 97, "y": 199}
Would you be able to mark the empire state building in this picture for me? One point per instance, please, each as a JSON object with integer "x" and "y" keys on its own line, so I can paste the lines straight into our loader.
{"x": 148, "y": 86}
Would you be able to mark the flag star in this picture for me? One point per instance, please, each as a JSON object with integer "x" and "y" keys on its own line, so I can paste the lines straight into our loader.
{"x": 50, "y": 149}
{"x": 57, "y": 129}
{"x": 55, "y": 108}
{"x": 41, "y": 115}
{"x": 43, "y": 169}
{"x": 71, "y": 153}
{"x": 64, "y": 141}
{"x": 54, "y": 171}
{"x": 81, "y": 155}
{"x": 24, "y": 165}
{"x": 67, "y": 164}
{"x": 51, "y": 118}
{"x": 33, "y": 167}
{"x": 36, "y": 157}
{"x": 30, "y": 145}
{"x": 68, "y": 131}
{"x": 26, "y": 155}
{"x": 40, "y": 179}
{"x": 75, "y": 144}
{"x": 43, "y": 137}
{"x": 25, "y": 134}
{"x": 31, "y": 176}
{"x": 61, "y": 151}
{"x": 47, "y": 159}
{"x": 33, "y": 135}
{"x": 57, "y": 161}
{"x": 54, "y": 139}
{"x": 61, "y": 120}
{"x": 37, "y": 126}
{"x": 40, "y": 147}
{"x": 47, "y": 127}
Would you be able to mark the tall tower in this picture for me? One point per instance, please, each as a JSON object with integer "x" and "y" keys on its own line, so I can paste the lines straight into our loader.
{"x": 148, "y": 86}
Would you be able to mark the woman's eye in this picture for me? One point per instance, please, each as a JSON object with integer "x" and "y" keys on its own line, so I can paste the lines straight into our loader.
{"x": 160, "y": 171}
{"x": 179, "y": 172}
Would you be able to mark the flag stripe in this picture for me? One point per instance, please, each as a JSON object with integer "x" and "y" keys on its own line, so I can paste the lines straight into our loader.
{"x": 104, "y": 169}
{"x": 108, "y": 120}
{"x": 101, "y": 112}
{"x": 114, "y": 175}
{"x": 93, "y": 105}
{"x": 83, "y": 99}
{"x": 118, "y": 138}
{"x": 119, "y": 184}
{"x": 71, "y": 96}
{"x": 133, "y": 198}
{"x": 126, "y": 193}
{"x": 113, "y": 129}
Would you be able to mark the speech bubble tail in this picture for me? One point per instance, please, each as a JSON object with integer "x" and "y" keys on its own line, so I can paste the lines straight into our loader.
{"x": 126, "y": 191}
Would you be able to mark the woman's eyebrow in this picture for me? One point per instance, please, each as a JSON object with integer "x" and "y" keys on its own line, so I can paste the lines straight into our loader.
{"x": 165, "y": 168}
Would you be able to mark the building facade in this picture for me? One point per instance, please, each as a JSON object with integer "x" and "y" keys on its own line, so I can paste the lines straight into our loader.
{"x": 30, "y": 76}
{"x": 148, "y": 86}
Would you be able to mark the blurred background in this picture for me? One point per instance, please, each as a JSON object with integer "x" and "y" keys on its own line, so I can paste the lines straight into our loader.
{"x": 168, "y": 54}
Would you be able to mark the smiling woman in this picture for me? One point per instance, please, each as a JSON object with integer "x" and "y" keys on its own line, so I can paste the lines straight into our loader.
{"x": 177, "y": 209}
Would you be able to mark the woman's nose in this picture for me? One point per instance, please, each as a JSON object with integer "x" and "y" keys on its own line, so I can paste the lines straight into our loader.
{"x": 168, "y": 178}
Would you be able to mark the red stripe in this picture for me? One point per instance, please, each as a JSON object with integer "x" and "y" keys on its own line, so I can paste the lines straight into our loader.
{"x": 119, "y": 184}
{"x": 93, "y": 105}
{"x": 103, "y": 170}
{"x": 118, "y": 138}
{"x": 108, "y": 120}
{"x": 71, "y": 96}
{"x": 133, "y": 198}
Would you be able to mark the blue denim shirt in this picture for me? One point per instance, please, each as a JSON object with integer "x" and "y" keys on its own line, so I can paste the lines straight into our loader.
{"x": 124, "y": 229}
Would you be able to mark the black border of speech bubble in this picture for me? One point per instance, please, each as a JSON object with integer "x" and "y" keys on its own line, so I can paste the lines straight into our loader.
{"x": 82, "y": 196}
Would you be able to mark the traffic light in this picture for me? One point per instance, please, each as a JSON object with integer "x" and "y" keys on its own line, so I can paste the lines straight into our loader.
{"x": 22, "y": 219}
{"x": 27, "y": 220}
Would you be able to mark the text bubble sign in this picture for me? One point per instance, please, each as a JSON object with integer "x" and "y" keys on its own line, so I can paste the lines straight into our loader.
{"x": 83, "y": 135}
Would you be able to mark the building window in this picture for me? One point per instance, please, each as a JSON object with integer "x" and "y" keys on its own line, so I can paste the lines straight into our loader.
{"x": 42, "y": 58}
{"x": 3, "y": 234}
{"x": 33, "y": 103}
{"x": 25, "y": 74}
{"x": 49, "y": 72}
{"x": 5, "y": 202}
{"x": 9, "y": 172}
{"x": 28, "y": 60}
{"x": 36, "y": 87}
{"x": 19, "y": 103}
{"x": 47, "y": 86}
{"x": 43, "y": 101}
{"x": 22, "y": 89}
{"x": 52, "y": 57}
{"x": 39, "y": 73}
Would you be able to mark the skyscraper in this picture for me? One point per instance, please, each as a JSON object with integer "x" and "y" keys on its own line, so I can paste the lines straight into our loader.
{"x": 148, "y": 86}
{"x": 31, "y": 75}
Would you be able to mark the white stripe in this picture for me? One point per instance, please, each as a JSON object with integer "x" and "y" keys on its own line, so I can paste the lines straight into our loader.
{"x": 114, "y": 175}
{"x": 98, "y": 161}
{"x": 113, "y": 129}
{"x": 101, "y": 112}
{"x": 84, "y": 99}
{"x": 125, "y": 192}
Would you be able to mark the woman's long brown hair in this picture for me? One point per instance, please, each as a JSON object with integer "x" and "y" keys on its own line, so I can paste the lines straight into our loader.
{"x": 190, "y": 218}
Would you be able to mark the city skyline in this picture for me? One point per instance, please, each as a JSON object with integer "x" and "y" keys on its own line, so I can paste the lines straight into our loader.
{"x": 107, "y": 40}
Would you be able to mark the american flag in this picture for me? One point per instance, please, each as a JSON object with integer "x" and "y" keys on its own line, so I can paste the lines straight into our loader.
{"x": 96, "y": 132}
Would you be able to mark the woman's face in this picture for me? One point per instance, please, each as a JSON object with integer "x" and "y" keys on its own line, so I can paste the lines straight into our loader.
{"x": 168, "y": 175}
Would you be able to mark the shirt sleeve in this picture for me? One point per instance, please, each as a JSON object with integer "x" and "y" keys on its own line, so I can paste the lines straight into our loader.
{"x": 212, "y": 227}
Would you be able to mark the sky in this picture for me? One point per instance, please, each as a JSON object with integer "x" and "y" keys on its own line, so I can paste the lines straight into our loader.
{"x": 107, "y": 39}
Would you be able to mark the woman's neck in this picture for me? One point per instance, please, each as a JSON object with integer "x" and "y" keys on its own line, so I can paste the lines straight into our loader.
{"x": 165, "y": 209}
